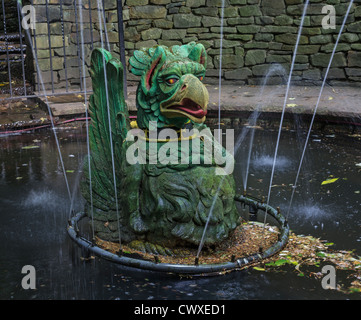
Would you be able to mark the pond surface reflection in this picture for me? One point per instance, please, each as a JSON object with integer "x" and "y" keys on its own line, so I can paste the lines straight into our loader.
{"x": 34, "y": 209}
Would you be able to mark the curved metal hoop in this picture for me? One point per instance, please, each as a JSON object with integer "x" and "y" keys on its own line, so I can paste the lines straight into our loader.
{"x": 185, "y": 269}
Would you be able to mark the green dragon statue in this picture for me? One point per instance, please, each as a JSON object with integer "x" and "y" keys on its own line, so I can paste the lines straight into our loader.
{"x": 155, "y": 206}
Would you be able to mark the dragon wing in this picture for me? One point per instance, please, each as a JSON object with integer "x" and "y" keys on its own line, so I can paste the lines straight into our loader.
{"x": 107, "y": 131}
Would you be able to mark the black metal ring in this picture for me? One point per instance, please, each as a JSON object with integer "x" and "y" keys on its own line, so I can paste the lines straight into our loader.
{"x": 184, "y": 269}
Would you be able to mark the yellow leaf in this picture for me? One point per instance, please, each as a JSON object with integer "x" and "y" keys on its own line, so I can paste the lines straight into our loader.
{"x": 329, "y": 181}
{"x": 291, "y": 105}
{"x": 259, "y": 269}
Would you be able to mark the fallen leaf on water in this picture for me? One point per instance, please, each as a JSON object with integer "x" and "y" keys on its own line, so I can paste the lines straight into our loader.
{"x": 259, "y": 269}
{"x": 329, "y": 181}
{"x": 280, "y": 262}
{"x": 30, "y": 147}
{"x": 87, "y": 258}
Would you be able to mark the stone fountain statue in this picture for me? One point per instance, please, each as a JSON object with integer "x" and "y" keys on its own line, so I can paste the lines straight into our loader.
{"x": 156, "y": 205}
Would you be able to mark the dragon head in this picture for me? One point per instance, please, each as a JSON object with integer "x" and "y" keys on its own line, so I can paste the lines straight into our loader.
{"x": 171, "y": 91}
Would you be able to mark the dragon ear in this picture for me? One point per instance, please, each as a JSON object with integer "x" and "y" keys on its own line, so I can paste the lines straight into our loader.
{"x": 152, "y": 69}
{"x": 198, "y": 54}
{"x": 139, "y": 62}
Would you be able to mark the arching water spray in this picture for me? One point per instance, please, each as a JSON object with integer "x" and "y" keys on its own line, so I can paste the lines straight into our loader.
{"x": 253, "y": 119}
{"x": 317, "y": 103}
{"x": 109, "y": 121}
{"x": 237, "y": 145}
{"x": 40, "y": 78}
{"x": 86, "y": 114}
{"x": 283, "y": 109}
{"x": 220, "y": 73}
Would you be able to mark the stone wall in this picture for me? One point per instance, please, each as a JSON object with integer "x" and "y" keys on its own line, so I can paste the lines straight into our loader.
{"x": 258, "y": 34}
{"x": 65, "y": 68}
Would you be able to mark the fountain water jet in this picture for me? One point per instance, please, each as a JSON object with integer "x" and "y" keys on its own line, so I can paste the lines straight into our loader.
{"x": 38, "y": 70}
{"x": 86, "y": 115}
{"x": 284, "y": 105}
{"x": 220, "y": 72}
{"x": 254, "y": 116}
{"x": 316, "y": 107}
{"x": 109, "y": 119}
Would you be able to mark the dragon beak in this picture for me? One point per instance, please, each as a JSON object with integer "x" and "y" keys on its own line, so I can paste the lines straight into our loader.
{"x": 190, "y": 100}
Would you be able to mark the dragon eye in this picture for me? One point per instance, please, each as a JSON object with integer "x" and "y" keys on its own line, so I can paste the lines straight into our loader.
{"x": 171, "y": 80}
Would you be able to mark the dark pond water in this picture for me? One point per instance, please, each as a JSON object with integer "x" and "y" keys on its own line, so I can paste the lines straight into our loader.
{"x": 34, "y": 208}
